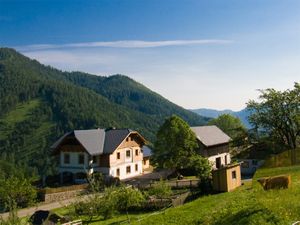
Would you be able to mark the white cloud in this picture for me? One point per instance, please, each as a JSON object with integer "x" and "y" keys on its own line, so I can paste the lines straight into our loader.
{"x": 125, "y": 44}
{"x": 214, "y": 77}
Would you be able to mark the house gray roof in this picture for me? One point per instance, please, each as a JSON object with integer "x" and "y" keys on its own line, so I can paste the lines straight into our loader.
{"x": 113, "y": 139}
{"x": 210, "y": 135}
{"x": 91, "y": 140}
{"x": 97, "y": 141}
{"x": 55, "y": 145}
{"x": 146, "y": 151}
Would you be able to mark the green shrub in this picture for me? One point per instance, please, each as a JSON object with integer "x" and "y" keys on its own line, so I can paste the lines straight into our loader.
{"x": 18, "y": 190}
{"x": 129, "y": 197}
{"x": 160, "y": 189}
{"x": 110, "y": 202}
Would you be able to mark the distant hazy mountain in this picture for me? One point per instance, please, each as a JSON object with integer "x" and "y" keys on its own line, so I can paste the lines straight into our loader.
{"x": 213, "y": 113}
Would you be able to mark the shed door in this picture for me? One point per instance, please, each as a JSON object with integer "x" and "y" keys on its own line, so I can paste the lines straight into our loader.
{"x": 218, "y": 162}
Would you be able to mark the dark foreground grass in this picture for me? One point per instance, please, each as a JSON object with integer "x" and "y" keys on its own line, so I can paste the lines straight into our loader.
{"x": 249, "y": 204}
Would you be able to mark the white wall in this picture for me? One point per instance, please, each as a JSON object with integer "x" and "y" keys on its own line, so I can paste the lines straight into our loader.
{"x": 74, "y": 166}
{"x": 123, "y": 173}
{"x": 212, "y": 159}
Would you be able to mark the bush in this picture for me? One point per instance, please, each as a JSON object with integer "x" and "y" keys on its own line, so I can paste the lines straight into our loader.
{"x": 108, "y": 202}
{"x": 18, "y": 190}
{"x": 96, "y": 182}
{"x": 201, "y": 166}
{"x": 111, "y": 201}
{"x": 160, "y": 189}
{"x": 13, "y": 218}
{"x": 129, "y": 197}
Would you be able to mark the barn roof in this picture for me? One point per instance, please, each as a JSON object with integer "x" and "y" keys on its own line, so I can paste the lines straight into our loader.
{"x": 210, "y": 135}
{"x": 98, "y": 141}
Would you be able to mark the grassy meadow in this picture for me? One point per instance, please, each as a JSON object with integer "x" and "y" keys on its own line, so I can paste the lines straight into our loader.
{"x": 249, "y": 204}
{"x": 19, "y": 114}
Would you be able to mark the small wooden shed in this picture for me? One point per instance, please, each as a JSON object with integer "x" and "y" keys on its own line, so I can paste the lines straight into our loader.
{"x": 227, "y": 178}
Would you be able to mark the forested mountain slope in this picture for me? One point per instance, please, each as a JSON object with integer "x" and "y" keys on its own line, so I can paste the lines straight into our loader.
{"x": 39, "y": 103}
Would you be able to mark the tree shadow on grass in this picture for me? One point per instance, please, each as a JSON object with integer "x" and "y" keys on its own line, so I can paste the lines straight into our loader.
{"x": 119, "y": 222}
{"x": 93, "y": 220}
{"x": 250, "y": 215}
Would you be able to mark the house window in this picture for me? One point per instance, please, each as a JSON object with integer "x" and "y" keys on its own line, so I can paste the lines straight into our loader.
{"x": 145, "y": 162}
{"x": 218, "y": 162}
{"x": 94, "y": 159}
{"x": 66, "y": 158}
{"x": 118, "y": 172}
{"x": 233, "y": 174}
{"x": 128, "y": 153}
{"x": 81, "y": 159}
{"x": 118, "y": 155}
{"x": 127, "y": 139}
{"x": 225, "y": 159}
{"x": 136, "y": 152}
{"x": 136, "y": 167}
{"x": 128, "y": 170}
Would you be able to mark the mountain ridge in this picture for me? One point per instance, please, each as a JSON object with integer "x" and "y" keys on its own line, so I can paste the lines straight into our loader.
{"x": 49, "y": 102}
{"x": 214, "y": 113}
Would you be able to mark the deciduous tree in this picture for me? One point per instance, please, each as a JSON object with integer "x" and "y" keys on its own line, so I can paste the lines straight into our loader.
{"x": 278, "y": 113}
{"x": 176, "y": 147}
{"x": 175, "y": 143}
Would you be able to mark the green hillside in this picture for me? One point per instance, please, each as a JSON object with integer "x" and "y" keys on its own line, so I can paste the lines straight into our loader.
{"x": 249, "y": 204}
{"x": 39, "y": 103}
{"x": 127, "y": 92}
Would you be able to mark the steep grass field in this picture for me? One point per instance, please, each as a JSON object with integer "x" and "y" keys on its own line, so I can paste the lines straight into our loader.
{"x": 249, "y": 204}
{"x": 18, "y": 115}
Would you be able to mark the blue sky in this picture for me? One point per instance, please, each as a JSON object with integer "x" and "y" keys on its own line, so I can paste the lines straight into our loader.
{"x": 213, "y": 53}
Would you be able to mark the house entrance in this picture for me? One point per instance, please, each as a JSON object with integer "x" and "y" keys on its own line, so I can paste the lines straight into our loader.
{"x": 218, "y": 162}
